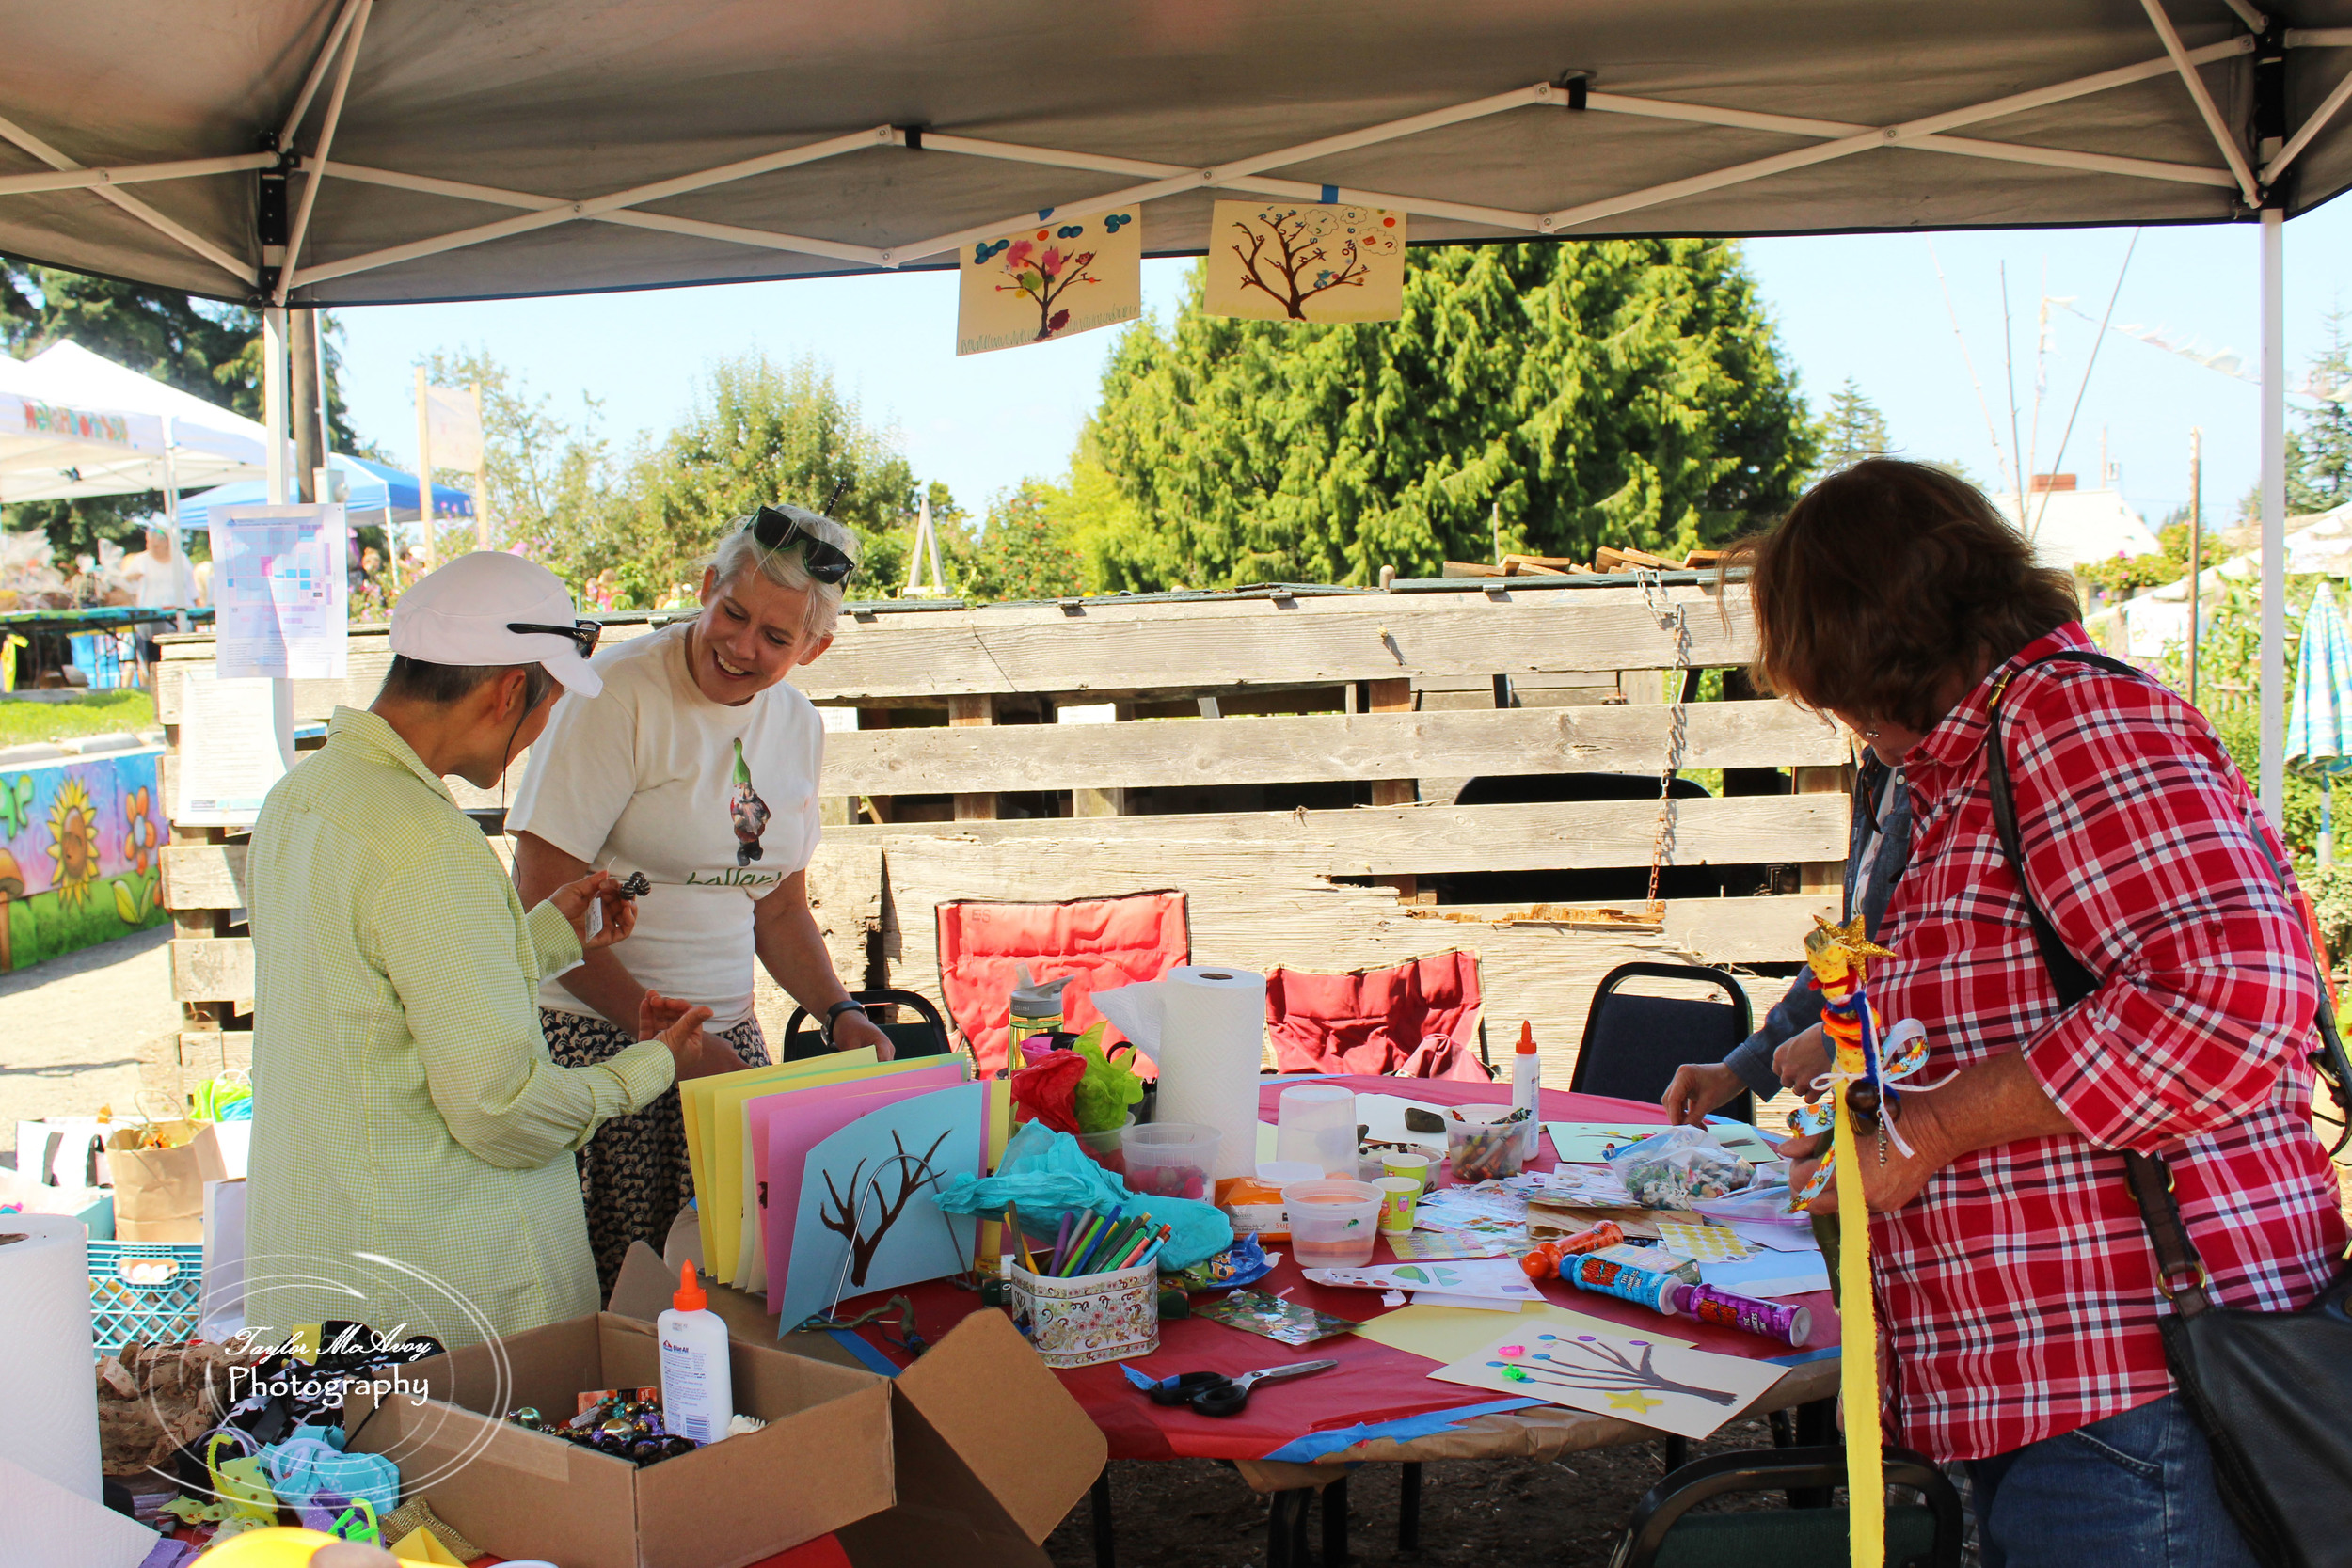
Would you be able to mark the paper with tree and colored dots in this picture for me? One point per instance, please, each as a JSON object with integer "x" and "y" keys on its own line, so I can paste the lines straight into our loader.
{"x": 1305, "y": 262}
{"x": 1651, "y": 1382}
{"x": 1055, "y": 278}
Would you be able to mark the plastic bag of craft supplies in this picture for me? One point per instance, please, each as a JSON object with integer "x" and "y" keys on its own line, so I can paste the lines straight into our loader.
{"x": 1680, "y": 1166}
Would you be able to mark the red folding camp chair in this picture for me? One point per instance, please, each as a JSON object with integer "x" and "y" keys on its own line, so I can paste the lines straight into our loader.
{"x": 1414, "y": 1020}
{"x": 1100, "y": 942}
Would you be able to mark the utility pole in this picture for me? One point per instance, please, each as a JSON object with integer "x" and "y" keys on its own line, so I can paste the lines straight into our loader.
{"x": 2196, "y": 547}
{"x": 424, "y": 475}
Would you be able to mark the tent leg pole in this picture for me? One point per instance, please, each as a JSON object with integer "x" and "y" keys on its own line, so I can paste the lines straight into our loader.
{"x": 2274, "y": 489}
{"x": 274, "y": 413}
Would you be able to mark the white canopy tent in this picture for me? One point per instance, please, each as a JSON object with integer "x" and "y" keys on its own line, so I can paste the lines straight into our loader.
{"x": 182, "y": 442}
{"x": 49, "y": 449}
{"x": 438, "y": 149}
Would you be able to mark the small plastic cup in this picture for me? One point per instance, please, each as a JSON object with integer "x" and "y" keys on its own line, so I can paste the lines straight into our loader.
{"x": 1317, "y": 1122}
{"x": 1171, "y": 1159}
{"x": 1399, "y": 1194}
{"x": 1282, "y": 1173}
{"x": 1332, "y": 1222}
{"x": 1416, "y": 1168}
{"x": 1482, "y": 1151}
{"x": 1104, "y": 1146}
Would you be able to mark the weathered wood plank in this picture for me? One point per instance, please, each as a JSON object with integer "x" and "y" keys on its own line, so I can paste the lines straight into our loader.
{"x": 212, "y": 876}
{"x": 1385, "y": 746}
{"x": 1717, "y": 930}
{"x": 1432, "y": 840}
{"x": 212, "y": 969}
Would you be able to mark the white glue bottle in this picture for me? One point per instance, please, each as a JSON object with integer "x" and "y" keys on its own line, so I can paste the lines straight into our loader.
{"x": 1527, "y": 1081}
{"x": 697, "y": 1384}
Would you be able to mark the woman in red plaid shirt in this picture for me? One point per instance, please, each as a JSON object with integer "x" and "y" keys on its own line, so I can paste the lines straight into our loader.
{"x": 2016, "y": 1279}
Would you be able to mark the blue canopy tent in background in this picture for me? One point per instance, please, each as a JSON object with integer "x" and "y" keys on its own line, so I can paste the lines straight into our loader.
{"x": 2319, "y": 731}
{"x": 375, "y": 489}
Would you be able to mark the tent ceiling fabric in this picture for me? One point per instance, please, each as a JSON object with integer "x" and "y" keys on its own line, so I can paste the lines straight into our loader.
{"x": 566, "y": 101}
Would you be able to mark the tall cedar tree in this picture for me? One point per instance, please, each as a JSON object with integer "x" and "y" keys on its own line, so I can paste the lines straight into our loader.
{"x": 1852, "y": 429}
{"x": 2319, "y": 455}
{"x": 210, "y": 350}
{"x": 1602, "y": 392}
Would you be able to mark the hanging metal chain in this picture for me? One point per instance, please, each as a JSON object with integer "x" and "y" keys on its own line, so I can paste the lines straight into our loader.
{"x": 1671, "y": 619}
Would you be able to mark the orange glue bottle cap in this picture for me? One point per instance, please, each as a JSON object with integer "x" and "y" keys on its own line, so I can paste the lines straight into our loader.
{"x": 1527, "y": 1039}
{"x": 690, "y": 1297}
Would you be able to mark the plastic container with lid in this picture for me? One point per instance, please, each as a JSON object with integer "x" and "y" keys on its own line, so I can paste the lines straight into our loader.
{"x": 1171, "y": 1159}
{"x": 1480, "y": 1151}
{"x": 1317, "y": 1123}
{"x": 1332, "y": 1222}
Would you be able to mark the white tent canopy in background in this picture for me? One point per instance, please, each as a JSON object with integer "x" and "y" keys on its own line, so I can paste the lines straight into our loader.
{"x": 2076, "y": 528}
{"x": 195, "y": 443}
{"x": 49, "y": 449}
{"x": 443, "y": 148}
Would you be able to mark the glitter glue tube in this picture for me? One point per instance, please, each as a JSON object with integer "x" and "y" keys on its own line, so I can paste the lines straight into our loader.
{"x": 1607, "y": 1276}
{"x": 1773, "y": 1320}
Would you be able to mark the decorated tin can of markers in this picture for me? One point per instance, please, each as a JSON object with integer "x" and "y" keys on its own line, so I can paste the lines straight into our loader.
{"x": 1608, "y": 1277}
{"x": 1773, "y": 1320}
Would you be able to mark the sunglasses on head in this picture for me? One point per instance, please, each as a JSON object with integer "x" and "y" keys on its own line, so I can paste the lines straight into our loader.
{"x": 582, "y": 633}
{"x": 827, "y": 562}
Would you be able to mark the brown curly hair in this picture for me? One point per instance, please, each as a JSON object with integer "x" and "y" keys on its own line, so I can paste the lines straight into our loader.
{"x": 1884, "y": 582}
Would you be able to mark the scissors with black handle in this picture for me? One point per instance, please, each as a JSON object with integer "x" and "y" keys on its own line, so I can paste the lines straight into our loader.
{"x": 1214, "y": 1394}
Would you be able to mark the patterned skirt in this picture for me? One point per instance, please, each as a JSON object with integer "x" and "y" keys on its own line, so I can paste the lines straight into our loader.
{"x": 633, "y": 1175}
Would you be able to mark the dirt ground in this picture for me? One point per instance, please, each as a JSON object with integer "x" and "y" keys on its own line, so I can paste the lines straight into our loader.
{"x": 1560, "y": 1514}
{"x": 71, "y": 1028}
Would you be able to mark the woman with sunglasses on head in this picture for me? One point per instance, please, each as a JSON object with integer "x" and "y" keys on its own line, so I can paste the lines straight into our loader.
{"x": 697, "y": 768}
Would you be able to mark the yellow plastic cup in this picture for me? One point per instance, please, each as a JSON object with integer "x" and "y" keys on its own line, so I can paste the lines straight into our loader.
{"x": 1413, "y": 1167}
{"x": 1399, "y": 1197}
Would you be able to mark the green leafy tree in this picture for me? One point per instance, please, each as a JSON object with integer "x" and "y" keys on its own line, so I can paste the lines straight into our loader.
{"x": 2319, "y": 454}
{"x": 210, "y": 350}
{"x": 1852, "y": 429}
{"x": 1603, "y": 393}
{"x": 1022, "y": 552}
{"x": 550, "y": 482}
{"x": 763, "y": 431}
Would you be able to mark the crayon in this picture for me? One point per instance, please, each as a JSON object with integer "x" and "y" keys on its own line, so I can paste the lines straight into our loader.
{"x": 1061, "y": 1239}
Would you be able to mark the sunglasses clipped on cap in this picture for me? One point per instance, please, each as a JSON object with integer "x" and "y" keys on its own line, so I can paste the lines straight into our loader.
{"x": 827, "y": 562}
{"x": 584, "y": 633}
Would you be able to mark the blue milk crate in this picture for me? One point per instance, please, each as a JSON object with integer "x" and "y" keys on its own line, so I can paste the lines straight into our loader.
{"x": 165, "y": 1313}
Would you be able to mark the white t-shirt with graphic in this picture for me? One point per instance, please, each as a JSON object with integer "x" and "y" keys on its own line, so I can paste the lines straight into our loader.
{"x": 715, "y": 804}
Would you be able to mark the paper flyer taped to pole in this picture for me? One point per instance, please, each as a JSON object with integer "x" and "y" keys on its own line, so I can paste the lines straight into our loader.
{"x": 1306, "y": 261}
{"x": 280, "y": 593}
{"x": 1057, "y": 279}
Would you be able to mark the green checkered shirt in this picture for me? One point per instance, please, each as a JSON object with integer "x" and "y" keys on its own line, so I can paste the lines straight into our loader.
{"x": 404, "y": 1102}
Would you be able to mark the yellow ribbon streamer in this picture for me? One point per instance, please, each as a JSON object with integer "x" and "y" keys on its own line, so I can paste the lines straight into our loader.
{"x": 1858, "y": 1367}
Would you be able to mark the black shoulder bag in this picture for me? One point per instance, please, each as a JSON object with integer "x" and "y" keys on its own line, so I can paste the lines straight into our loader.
{"x": 2269, "y": 1389}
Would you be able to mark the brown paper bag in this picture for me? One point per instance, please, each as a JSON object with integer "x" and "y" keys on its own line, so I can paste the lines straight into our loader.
{"x": 159, "y": 1192}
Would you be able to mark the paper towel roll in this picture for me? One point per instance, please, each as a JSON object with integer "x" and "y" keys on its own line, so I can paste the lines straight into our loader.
{"x": 1206, "y": 1028}
{"x": 47, "y": 1388}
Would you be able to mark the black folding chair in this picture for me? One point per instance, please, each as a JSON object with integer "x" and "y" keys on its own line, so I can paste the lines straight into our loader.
{"x": 927, "y": 1036}
{"x": 1632, "y": 1044}
{"x": 1663, "y": 1533}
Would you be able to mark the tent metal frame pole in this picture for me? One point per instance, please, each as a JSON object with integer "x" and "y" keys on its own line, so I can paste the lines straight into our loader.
{"x": 2319, "y": 38}
{"x": 318, "y": 71}
{"x": 274, "y": 410}
{"x": 133, "y": 205}
{"x": 2254, "y": 20}
{"x": 880, "y": 136}
{"x": 132, "y": 174}
{"x": 2312, "y": 127}
{"x": 1903, "y": 133}
{"x": 492, "y": 195}
{"x": 2205, "y": 106}
{"x": 354, "y": 33}
{"x": 2274, "y": 487}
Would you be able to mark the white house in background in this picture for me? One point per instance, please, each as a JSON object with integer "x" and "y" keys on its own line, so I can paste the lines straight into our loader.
{"x": 2071, "y": 527}
{"x": 2145, "y": 627}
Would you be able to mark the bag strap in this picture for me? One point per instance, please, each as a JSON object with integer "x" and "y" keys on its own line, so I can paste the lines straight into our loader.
{"x": 2181, "y": 1272}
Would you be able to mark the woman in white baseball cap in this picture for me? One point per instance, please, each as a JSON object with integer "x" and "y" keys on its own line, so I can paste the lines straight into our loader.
{"x": 697, "y": 768}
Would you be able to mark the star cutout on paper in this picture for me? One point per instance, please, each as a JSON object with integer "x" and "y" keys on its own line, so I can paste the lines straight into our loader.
{"x": 1638, "y": 1404}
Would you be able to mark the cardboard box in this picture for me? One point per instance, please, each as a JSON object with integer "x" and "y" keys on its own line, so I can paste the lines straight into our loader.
{"x": 971, "y": 1456}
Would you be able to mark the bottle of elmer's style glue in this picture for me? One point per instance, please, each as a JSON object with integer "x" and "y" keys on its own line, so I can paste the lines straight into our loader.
{"x": 1527, "y": 1075}
{"x": 697, "y": 1384}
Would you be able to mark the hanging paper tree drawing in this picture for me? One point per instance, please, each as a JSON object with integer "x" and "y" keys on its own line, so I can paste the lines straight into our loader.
{"x": 1669, "y": 1387}
{"x": 1054, "y": 280}
{"x": 1304, "y": 262}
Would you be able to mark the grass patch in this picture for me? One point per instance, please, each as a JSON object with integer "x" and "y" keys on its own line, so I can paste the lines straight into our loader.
{"x": 24, "y": 720}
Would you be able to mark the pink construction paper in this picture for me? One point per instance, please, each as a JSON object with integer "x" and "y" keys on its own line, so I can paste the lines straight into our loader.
{"x": 796, "y": 1121}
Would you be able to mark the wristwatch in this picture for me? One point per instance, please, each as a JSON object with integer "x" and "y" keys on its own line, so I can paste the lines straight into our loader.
{"x": 833, "y": 1016}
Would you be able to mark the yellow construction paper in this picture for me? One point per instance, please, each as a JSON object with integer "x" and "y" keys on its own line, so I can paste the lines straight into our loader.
{"x": 1866, "y": 1483}
{"x": 422, "y": 1546}
{"x": 695, "y": 1097}
{"x": 1449, "y": 1333}
{"x": 988, "y": 1239}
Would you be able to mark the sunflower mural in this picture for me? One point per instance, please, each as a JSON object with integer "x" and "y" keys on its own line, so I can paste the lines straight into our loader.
{"x": 81, "y": 854}
{"x": 73, "y": 843}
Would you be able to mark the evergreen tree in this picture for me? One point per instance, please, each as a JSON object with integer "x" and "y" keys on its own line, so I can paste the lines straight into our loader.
{"x": 2319, "y": 455}
{"x": 1852, "y": 430}
{"x": 1023, "y": 552}
{"x": 1597, "y": 392}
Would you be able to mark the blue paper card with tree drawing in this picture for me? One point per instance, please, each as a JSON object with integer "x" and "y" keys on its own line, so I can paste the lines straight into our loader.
{"x": 869, "y": 1219}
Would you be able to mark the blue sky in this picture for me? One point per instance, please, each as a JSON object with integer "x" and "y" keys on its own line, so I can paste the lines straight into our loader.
{"x": 1864, "y": 307}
